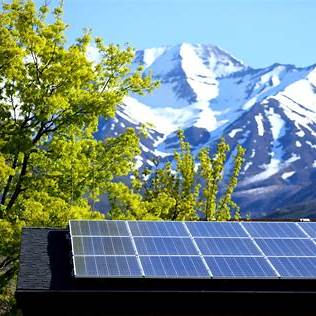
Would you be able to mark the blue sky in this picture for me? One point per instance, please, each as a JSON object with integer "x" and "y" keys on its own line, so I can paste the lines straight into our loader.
{"x": 259, "y": 32}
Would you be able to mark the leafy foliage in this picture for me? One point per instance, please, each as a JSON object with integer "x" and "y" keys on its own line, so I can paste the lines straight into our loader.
{"x": 51, "y": 97}
{"x": 182, "y": 191}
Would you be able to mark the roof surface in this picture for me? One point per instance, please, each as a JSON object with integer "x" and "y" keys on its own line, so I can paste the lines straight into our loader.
{"x": 44, "y": 259}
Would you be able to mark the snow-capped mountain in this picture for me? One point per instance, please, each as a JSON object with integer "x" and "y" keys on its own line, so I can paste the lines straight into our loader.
{"x": 208, "y": 93}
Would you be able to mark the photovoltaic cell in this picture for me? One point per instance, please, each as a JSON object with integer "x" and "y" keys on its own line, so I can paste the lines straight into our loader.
{"x": 173, "y": 267}
{"x": 273, "y": 229}
{"x": 309, "y": 228}
{"x": 295, "y": 267}
{"x": 240, "y": 267}
{"x": 287, "y": 247}
{"x": 167, "y": 250}
{"x": 98, "y": 228}
{"x": 164, "y": 246}
{"x": 218, "y": 246}
{"x": 216, "y": 229}
{"x": 102, "y": 246}
{"x": 106, "y": 266}
{"x": 157, "y": 229}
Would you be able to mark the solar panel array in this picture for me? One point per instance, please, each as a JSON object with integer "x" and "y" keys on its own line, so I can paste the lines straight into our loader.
{"x": 162, "y": 249}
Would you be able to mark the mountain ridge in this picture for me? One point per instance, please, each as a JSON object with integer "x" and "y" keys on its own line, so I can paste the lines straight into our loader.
{"x": 208, "y": 93}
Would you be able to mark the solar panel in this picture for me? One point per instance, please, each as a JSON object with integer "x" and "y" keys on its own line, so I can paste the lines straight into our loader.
{"x": 309, "y": 228}
{"x": 98, "y": 228}
{"x": 174, "y": 267}
{"x": 295, "y": 267}
{"x": 102, "y": 246}
{"x": 287, "y": 247}
{"x": 158, "y": 229}
{"x": 240, "y": 267}
{"x": 216, "y": 229}
{"x": 106, "y": 266}
{"x": 218, "y": 246}
{"x": 165, "y": 246}
{"x": 128, "y": 249}
{"x": 273, "y": 229}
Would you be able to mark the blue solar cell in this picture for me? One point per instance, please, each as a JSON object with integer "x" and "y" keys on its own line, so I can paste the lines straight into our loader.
{"x": 226, "y": 246}
{"x": 273, "y": 230}
{"x": 295, "y": 267}
{"x": 105, "y": 249}
{"x": 164, "y": 246}
{"x": 157, "y": 229}
{"x": 118, "y": 266}
{"x": 287, "y": 247}
{"x": 106, "y": 266}
{"x": 74, "y": 228}
{"x": 309, "y": 228}
{"x": 102, "y": 246}
{"x": 173, "y": 267}
{"x": 216, "y": 229}
{"x": 79, "y": 266}
{"x": 98, "y": 228}
{"x": 240, "y": 267}
{"x": 85, "y": 266}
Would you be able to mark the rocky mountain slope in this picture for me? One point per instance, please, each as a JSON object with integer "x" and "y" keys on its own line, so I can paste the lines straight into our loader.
{"x": 208, "y": 93}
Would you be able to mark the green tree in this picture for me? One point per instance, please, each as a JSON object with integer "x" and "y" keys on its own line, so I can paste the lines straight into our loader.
{"x": 51, "y": 97}
{"x": 181, "y": 191}
{"x": 211, "y": 170}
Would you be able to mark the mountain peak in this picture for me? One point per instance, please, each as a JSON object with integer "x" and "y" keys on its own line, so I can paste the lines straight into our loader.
{"x": 208, "y": 58}
{"x": 205, "y": 91}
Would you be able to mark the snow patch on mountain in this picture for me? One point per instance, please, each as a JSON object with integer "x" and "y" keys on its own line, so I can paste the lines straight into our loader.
{"x": 310, "y": 144}
{"x": 259, "y": 120}
{"x": 269, "y": 170}
{"x": 233, "y": 133}
{"x": 151, "y": 54}
{"x": 277, "y": 124}
{"x": 200, "y": 77}
{"x": 287, "y": 175}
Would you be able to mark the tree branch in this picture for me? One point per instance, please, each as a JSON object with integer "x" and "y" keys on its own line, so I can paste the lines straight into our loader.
{"x": 18, "y": 187}
{"x": 7, "y": 187}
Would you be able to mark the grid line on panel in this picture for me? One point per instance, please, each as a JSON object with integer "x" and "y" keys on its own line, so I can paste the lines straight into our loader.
{"x": 198, "y": 250}
{"x": 135, "y": 249}
{"x": 177, "y": 255}
{"x": 273, "y": 229}
{"x": 166, "y": 237}
{"x": 305, "y": 233}
{"x": 287, "y": 247}
{"x": 206, "y": 229}
{"x": 72, "y": 252}
{"x": 260, "y": 250}
{"x": 309, "y": 228}
{"x": 164, "y": 246}
{"x": 240, "y": 267}
{"x": 166, "y": 229}
{"x": 296, "y": 267}
{"x": 97, "y": 228}
{"x": 218, "y": 246}
{"x": 290, "y": 238}
{"x": 174, "y": 267}
{"x": 93, "y": 249}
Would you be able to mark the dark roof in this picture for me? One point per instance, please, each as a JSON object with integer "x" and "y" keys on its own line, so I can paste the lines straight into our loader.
{"x": 46, "y": 282}
{"x": 46, "y": 265}
{"x": 44, "y": 259}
